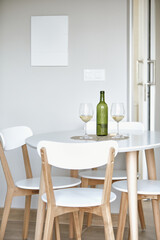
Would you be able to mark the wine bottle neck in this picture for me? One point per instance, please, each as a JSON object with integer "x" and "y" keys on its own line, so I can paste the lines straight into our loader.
{"x": 102, "y": 97}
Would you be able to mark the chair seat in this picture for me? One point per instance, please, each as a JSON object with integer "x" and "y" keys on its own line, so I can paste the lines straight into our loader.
{"x": 99, "y": 174}
{"x": 79, "y": 197}
{"x": 147, "y": 187}
{"x": 58, "y": 182}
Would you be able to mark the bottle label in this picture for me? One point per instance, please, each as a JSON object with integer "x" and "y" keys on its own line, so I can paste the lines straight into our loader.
{"x": 102, "y": 129}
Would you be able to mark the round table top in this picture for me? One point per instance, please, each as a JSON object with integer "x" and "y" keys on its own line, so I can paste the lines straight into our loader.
{"x": 137, "y": 140}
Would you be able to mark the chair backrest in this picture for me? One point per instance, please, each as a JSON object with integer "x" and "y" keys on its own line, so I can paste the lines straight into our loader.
{"x": 91, "y": 126}
{"x": 77, "y": 155}
{"x": 14, "y": 137}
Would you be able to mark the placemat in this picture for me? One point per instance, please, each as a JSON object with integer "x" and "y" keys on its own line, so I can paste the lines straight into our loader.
{"x": 94, "y": 137}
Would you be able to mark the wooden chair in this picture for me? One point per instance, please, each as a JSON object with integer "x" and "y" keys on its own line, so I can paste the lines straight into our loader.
{"x": 12, "y": 138}
{"x": 146, "y": 189}
{"x": 93, "y": 177}
{"x": 78, "y": 156}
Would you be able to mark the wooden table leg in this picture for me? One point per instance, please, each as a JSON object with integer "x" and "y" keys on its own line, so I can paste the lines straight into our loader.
{"x": 131, "y": 164}
{"x": 40, "y": 211}
{"x": 74, "y": 173}
{"x": 151, "y": 165}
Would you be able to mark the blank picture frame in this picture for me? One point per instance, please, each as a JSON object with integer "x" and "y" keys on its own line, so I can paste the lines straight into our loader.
{"x": 49, "y": 41}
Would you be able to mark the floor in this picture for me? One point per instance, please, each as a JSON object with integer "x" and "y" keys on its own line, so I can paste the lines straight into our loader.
{"x": 14, "y": 229}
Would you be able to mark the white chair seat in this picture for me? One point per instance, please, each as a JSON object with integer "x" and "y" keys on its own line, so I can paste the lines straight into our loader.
{"x": 58, "y": 182}
{"x": 79, "y": 197}
{"x": 99, "y": 174}
{"x": 147, "y": 187}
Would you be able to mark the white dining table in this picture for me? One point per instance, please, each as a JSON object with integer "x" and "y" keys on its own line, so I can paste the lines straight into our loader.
{"x": 136, "y": 141}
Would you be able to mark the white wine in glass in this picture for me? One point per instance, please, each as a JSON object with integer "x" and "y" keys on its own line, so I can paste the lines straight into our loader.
{"x": 86, "y": 114}
{"x": 86, "y": 118}
{"x": 117, "y": 113}
{"x": 118, "y": 118}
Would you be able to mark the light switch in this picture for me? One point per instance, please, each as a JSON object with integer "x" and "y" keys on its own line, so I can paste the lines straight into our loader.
{"x": 94, "y": 75}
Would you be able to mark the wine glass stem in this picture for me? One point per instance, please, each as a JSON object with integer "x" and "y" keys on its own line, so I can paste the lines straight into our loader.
{"x": 117, "y": 128}
{"x": 85, "y": 129}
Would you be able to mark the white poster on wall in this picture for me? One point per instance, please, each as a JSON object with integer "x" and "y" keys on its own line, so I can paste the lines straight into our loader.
{"x": 49, "y": 41}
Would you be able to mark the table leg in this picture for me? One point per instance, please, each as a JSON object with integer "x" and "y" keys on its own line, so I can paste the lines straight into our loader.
{"x": 151, "y": 166}
{"x": 131, "y": 164}
{"x": 74, "y": 173}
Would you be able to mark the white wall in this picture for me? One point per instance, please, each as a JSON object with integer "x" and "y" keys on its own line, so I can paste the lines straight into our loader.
{"x": 47, "y": 98}
{"x": 157, "y": 107}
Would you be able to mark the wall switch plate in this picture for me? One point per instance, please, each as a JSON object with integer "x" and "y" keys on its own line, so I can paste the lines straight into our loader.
{"x": 94, "y": 75}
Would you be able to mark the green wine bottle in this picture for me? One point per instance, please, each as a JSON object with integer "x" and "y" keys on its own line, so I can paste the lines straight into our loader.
{"x": 102, "y": 116}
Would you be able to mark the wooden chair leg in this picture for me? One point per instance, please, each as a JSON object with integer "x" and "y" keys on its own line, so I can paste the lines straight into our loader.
{"x": 57, "y": 229}
{"x": 48, "y": 224}
{"x": 7, "y": 206}
{"x": 51, "y": 238}
{"x": 141, "y": 214}
{"x": 108, "y": 227}
{"x": 73, "y": 173}
{"x": 77, "y": 225}
{"x": 129, "y": 234}
{"x": 89, "y": 219}
{"x": 71, "y": 229}
{"x": 26, "y": 216}
{"x": 40, "y": 219}
{"x": 122, "y": 216}
{"x": 156, "y": 214}
{"x": 81, "y": 218}
{"x": 85, "y": 184}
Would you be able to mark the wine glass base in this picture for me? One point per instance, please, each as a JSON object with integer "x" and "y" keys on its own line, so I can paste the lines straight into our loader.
{"x": 119, "y": 137}
{"x": 86, "y": 137}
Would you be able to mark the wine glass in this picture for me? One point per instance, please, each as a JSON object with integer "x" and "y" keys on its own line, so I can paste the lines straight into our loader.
{"x": 86, "y": 114}
{"x": 117, "y": 113}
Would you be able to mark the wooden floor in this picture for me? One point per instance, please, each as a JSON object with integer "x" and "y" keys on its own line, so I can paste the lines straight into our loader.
{"x": 14, "y": 229}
